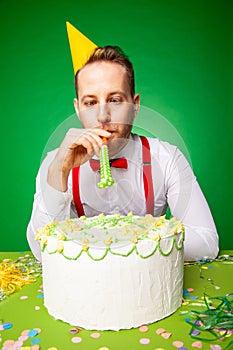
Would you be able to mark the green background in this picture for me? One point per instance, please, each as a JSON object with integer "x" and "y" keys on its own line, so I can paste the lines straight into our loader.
{"x": 182, "y": 54}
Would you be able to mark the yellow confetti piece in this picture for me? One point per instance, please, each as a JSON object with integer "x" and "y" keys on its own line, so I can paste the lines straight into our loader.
{"x": 204, "y": 268}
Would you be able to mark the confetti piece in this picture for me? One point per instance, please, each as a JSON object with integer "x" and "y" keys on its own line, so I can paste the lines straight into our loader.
{"x": 190, "y": 290}
{"x": 25, "y": 332}
{"x": 52, "y": 348}
{"x": 76, "y": 340}
{"x": 35, "y": 341}
{"x": 178, "y": 344}
{"x": 215, "y": 347}
{"x": 23, "y": 297}
{"x": 74, "y": 331}
{"x": 217, "y": 287}
{"x": 160, "y": 331}
{"x": 195, "y": 332}
{"x": 37, "y": 329}
{"x": 35, "y": 347}
{"x": 23, "y": 338}
{"x": 18, "y": 343}
{"x": 166, "y": 335}
{"x": 8, "y": 343}
{"x": 182, "y": 313}
{"x": 95, "y": 335}
{"x": 143, "y": 329}
{"x": 32, "y": 333}
{"x": 40, "y": 296}
{"x": 204, "y": 267}
{"x": 37, "y": 308}
{"x": 144, "y": 341}
{"x": 159, "y": 349}
{"x": 7, "y": 325}
{"x": 103, "y": 348}
{"x": 197, "y": 344}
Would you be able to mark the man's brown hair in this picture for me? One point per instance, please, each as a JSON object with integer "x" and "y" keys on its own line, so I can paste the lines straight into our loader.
{"x": 110, "y": 54}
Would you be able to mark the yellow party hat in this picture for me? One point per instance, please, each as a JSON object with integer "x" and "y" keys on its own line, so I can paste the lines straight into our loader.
{"x": 80, "y": 46}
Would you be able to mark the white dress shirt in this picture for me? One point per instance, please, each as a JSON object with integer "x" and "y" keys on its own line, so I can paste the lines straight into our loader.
{"x": 174, "y": 185}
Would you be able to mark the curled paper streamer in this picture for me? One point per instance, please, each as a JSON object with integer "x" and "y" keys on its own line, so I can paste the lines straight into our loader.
{"x": 106, "y": 179}
{"x": 215, "y": 322}
{"x": 15, "y": 274}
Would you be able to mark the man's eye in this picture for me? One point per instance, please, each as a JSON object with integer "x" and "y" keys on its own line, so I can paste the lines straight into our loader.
{"x": 115, "y": 100}
{"x": 89, "y": 103}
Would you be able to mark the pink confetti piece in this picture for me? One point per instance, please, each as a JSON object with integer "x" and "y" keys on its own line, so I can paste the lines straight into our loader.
{"x": 144, "y": 341}
{"x": 18, "y": 343}
{"x": 178, "y": 344}
{"x": 25, "y": 332}
{"x": 35, "y": 347}
{"x": 95, "y": 335}
{"x": 217, "y": 287}
{"x": 37, "y": 308}
{"x": 160, "y": 331}
{"x": 76, "y": 340}
{"x": 197, "y": 344}
{"x": 190, "y": 290}
{"x": 166, "y": 335}
{"x": 37, "y": 329}
{"x": 23, "y": 297}
{"x": 215, "y": 347}
{"x": 143, "y": 329}
{"x": 8, "y": 343}
{"x": 23, "y": 338}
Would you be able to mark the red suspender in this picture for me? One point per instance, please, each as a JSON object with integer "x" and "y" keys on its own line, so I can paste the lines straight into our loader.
{"x": 147, "y": 180}
{"x": 76, "y": 192}
{"x": 147, "y": 176}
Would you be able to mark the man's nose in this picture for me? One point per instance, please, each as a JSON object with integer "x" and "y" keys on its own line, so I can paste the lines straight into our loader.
{"x": 103, "y": 113}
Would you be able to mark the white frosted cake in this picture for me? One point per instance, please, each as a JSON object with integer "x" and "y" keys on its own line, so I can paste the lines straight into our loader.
{"x": 112, "y": 272}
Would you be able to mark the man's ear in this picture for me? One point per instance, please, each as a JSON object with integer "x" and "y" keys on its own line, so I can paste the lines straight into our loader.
{"x": 76, "y": 106}
{"x": 136, "y": 103}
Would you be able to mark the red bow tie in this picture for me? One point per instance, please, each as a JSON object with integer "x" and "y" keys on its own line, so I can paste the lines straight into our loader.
{"x": 116, "y": 163}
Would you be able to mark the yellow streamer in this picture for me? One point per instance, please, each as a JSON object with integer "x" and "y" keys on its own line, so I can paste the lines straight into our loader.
{"x": 13, "y": 277}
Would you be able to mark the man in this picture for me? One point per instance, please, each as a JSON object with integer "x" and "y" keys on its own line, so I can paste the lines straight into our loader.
{"x": 106, "y": 105}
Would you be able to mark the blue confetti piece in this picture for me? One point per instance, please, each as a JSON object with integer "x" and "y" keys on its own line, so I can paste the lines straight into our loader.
{"x": 187, "y": 319}
{"x": 7, "y": 325}
{"x": 35, "y": 341}
{"x": 193, "y": 297}
{"x": 40, "y": 296}
{"x": 32, "y": 333}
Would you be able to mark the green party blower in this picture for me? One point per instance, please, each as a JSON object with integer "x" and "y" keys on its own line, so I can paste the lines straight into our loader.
{"x": 106, "y": 179}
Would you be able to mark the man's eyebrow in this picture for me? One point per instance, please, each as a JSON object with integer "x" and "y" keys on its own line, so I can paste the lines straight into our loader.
{"x": 87, "y": 96}
{"x": 118, "y": 92}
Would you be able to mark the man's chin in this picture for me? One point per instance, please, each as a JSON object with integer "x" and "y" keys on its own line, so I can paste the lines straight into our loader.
{"x": 116, "y": 144}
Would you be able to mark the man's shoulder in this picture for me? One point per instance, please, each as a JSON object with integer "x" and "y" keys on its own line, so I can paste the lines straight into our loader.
{"x": 160, "y": 147}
